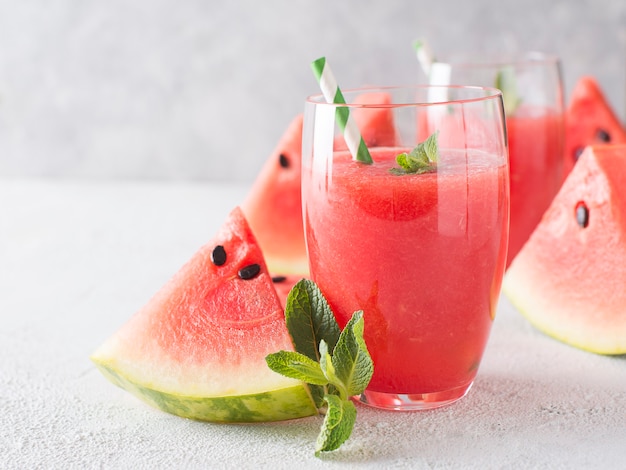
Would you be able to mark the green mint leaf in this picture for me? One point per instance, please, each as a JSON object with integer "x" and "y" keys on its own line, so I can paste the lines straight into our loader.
{"x": 310, "y": 319}
{"x": 507, "y": 84}
{"x": 297, "y": 366}
{"x": 405, "y": 161}
{"x": 351, "y": 360}
{"x": 431, "y": 147}
{"x": 422, "y": 159}
{"x": 328, "y": 369}
{"x": 412, "y": 162}
{"x": 418, "y": 155}
{"x": 338, "y": 424}
{"x": 338, "y": 368}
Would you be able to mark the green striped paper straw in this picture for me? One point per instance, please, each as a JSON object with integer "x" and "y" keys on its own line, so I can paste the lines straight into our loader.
{"x": 424, "y": 55}
{"x": 346, "y": 122}
{"x": 438, "y": 73}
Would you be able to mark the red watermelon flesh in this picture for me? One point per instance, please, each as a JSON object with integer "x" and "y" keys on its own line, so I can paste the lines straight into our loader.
{"x": 376, "y": 125}
{"x": 273, "y": 205}
{"x": 197, "y": 348}
{"x": 283, "y": 284}
{"x": 589, "y": 120}
{"x": 569, "y": 279}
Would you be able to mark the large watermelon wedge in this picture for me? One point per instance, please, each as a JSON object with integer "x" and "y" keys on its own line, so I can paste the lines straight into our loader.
{"x": 569, "y": 279}
{"x": 589, "y": 120}
{"x": 197, "y": 348}
{"x": 273, "y": 205}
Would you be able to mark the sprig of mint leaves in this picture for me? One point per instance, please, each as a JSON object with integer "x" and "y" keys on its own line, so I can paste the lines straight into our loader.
{"x": 506, "y": 82}
{"x": 422, "y": 159}
{"x": 335, "y": 363}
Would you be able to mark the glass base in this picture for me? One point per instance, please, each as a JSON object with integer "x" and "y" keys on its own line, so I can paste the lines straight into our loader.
{"x": 413, "y": 402}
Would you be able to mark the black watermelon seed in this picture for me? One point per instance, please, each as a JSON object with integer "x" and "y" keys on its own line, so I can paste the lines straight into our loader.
{"x": 218, "y": 255}
{"x": 578, "y": 151}
{"x": 603, "y": 136}
{"x": 582, "y": 215}
{"x": 279, "y": 279}
{"x": 249, "y": 272}
{"x": 283, "y": 160}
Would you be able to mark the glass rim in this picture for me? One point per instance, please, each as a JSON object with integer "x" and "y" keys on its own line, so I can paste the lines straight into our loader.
{"x": 488, "y": 93}
{"x": 502, "y": 60}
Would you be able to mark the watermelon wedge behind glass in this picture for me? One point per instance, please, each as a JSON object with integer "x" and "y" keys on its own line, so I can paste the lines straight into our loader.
{"x": 197, "y": 348}
{"x": 376, "y": 124}
{"x": 589, "y": 120}
{"x": 283, "y": 285}
{"x": 569, "y": 279}
{"x": 273, "y": 206}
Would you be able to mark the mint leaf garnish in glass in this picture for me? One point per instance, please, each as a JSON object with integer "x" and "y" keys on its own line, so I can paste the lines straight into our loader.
{"x": 507, "y": 84}
{"x": 422, "y": 159}
{"x": 335, "y": 364}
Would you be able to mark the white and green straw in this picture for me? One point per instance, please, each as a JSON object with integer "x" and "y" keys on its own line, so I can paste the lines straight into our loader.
{"x": 346, "y": 122}
{"x": 424, "y": 55}
{"x": 438, "y": 73}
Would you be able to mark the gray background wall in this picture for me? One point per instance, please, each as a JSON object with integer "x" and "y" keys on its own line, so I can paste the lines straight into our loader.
{"x": 202, "y": 90}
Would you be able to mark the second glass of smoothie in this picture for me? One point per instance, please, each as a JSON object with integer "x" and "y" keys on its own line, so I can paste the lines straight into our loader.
{"x": 533, "y": 97}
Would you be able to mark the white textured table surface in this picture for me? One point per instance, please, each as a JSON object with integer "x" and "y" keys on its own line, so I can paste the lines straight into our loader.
{"x": 77, "y": 259}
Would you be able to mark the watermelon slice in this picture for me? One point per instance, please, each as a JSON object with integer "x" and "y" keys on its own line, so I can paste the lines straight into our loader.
{"x": 376, "y": 124}
{"x": 569, "y": 278}
{"x": 589, "y": 120}
{"x": 283, "y": 283}
{"x": 197, "y": 348}
{"x": 273, "y": 206}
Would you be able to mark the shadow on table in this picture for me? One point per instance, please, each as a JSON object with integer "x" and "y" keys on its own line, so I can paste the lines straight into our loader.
{"x": 499, "y": 413}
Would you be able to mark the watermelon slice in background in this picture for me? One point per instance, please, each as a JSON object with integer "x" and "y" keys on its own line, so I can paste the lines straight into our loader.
{"x": 589, "y": 120}
{"x": 197, "y": 348}
{"x": 283, "y": 285}
{"x": 376, "y": 124}
{"x": 273, "y": 206}
{"x": 569, "y": 279}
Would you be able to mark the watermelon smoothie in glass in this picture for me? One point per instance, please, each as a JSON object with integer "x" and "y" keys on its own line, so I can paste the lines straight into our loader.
{"x": 422, "y": 254}
{"x": 532, "y": 90}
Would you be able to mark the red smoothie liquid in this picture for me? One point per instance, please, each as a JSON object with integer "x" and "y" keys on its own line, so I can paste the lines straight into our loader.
{"x": 536, "y": 160}
{"x": 421, "y": 255}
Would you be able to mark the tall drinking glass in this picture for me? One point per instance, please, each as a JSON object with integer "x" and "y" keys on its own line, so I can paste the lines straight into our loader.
{"x": 533, "y": 98}
{"x": 421, "y": 253}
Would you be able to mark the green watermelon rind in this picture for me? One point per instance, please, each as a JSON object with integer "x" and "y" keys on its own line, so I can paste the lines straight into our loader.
{"x": 272, "y": 405}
